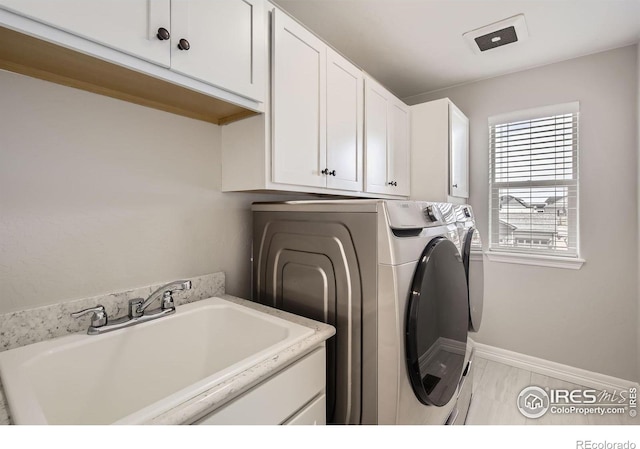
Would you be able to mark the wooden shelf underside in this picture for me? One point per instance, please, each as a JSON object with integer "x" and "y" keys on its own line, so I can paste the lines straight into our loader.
{"x": 39, "y": 59}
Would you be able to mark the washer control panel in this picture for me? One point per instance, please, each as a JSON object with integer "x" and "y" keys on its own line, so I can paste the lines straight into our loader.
{"x": 463, "y": 213}
{"x": 413, "y": 214}
{"x": 430, "y": 213}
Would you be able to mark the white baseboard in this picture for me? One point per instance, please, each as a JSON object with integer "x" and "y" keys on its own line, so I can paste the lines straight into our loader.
{"x": 556, "y": 370}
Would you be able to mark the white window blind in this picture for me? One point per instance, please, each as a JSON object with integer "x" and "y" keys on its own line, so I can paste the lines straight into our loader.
{"x": 533, "y": 175}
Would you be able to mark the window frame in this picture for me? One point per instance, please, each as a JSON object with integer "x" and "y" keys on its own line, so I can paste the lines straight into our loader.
{"x": 527, "y": 255}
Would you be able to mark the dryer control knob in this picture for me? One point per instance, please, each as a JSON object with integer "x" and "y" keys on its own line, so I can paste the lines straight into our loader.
{"x": 429, "y": 213}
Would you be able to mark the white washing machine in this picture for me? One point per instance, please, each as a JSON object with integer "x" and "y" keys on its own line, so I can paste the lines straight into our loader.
{"x": 460, "y": 219}
{"x": 471, "y": 250}
{"x": 389, "y": 276}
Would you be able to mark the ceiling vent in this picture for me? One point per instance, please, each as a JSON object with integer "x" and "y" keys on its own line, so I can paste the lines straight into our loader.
{"x": 507, "y": 31}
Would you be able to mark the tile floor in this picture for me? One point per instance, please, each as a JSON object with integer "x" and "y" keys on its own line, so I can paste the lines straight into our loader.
{"x": 495, "y": 390}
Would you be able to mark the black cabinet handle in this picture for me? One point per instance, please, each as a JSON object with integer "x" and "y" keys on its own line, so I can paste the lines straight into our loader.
{"x": 328, "y": 173}
{"x": 163, "y": 34}
{"x": 393, "y": 183}
{"x": 183, "y": 44}
{"x": 332, "y": 173}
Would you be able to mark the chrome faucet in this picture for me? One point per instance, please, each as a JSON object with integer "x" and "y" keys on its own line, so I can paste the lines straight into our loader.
{"x": 137, "y": 310}
{"x": 138, "y": 306}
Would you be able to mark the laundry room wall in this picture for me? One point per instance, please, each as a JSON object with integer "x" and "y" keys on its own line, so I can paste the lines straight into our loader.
{"x": 585, "y": 318}
{"x": 98, "y": 195}
{"x": 638, "y": 142}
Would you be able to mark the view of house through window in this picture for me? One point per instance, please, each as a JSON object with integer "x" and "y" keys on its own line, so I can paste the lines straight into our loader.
{"x": 534, "y": 181}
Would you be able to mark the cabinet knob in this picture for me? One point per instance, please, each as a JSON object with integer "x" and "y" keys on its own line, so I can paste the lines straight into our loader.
{"x": 325, "y": 171}
{"x": 455, "y": 186}
{"x": 183, "y": 44}
{"x": 163, "y": 34}
{"x": 332, "y": 173}
{"x": 393, "y": 183}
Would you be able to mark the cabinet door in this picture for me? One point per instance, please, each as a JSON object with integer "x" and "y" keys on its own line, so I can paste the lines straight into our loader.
{"x": 399, "y": 169}
{"x": 130, "y": 26}
{"x": 345, "y": 93}
{"x": 458, "y": 153}
{"x": 227, "y": 43}
{"x": 277, "y": 398}
{"x": 312, "y": 415}
{"x": 376, "y": 138}
{"x": 299, "y": 104}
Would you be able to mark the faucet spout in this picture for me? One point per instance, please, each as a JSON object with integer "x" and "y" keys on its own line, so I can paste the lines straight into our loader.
{"x": 163, "y": 292}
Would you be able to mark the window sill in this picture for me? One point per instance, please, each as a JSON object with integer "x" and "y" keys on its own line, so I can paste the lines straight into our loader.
{"x": 538, "y": 260}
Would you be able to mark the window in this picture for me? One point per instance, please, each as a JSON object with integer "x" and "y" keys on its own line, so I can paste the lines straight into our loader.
{"x": 533, "y": 175}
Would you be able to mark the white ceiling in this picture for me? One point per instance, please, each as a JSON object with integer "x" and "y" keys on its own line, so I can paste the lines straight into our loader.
{"x": 416, "y": 46}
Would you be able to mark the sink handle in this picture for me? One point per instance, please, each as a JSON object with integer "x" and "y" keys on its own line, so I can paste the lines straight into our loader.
{"x": 99, "y": 317}
{"x": 181, "y": 285}
{"x": 167, "y": 300}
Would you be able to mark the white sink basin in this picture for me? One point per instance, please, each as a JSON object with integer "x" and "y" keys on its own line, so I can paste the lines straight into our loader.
{"x": 132, "y": 375}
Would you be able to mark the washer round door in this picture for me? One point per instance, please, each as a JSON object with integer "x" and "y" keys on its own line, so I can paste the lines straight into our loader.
{"x": 475, "y": 278}
{"x": 437, "y": 322}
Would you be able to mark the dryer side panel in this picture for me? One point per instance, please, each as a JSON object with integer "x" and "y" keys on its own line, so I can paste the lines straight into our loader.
{"x": 322, "y": 266}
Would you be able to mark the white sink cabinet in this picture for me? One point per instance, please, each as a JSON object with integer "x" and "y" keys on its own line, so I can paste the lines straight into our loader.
{"x": 295, "y": 395}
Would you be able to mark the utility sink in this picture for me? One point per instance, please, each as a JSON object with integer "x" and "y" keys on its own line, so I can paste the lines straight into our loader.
{"x": 132, "y": 375}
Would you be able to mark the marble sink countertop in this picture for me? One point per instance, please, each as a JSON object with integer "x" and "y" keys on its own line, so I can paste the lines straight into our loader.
{"x": 218, "y": 395}
{"x": 48, "y": 322}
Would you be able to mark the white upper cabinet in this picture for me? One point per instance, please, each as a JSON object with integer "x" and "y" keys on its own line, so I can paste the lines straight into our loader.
{"x": 317, "y": 111}
{"x": 299, "y": 104}
{"x": 225, "y": 40}
{"x": 345, "y": 122}
{"x": 399, "y": 141}
{"x": 127, "y": 25}
{"x": 312, "y": 137}
{"x": 221, "y": 43}
{"x": 377, "y": 132}
{"x": 458, "y": 153}
{"x": 387, "y": 141}
{"x": 439, "y": 152}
